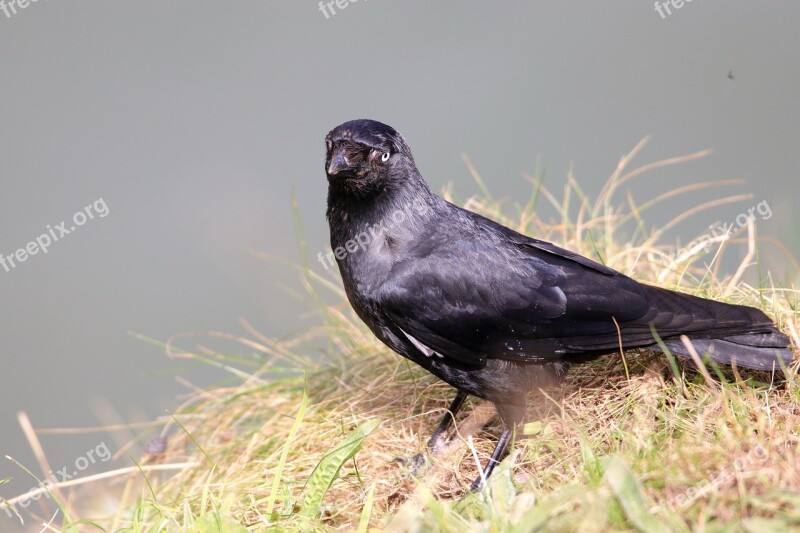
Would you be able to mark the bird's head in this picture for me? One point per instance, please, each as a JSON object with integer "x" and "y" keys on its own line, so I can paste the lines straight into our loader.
{"x": 365, "y": 157}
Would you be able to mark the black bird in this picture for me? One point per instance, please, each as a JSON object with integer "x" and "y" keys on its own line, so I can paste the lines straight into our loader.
{"x": 490, "y": 311}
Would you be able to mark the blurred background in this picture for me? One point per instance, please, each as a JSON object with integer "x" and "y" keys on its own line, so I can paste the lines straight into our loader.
{"x": 193, "y": 122}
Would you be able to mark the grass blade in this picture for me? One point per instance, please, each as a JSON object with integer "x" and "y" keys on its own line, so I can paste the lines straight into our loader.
{"x": 328, "y": 468}
{"x": 366, "y": 512}
{"x": 628, "y": 492}
{"x": 276, "y": 482}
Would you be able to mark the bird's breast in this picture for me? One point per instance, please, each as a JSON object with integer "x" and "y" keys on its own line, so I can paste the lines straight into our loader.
{"x": 365, "y": 259}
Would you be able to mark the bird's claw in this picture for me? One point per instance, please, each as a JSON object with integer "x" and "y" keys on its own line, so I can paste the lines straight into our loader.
{"x": 418, "y": 464}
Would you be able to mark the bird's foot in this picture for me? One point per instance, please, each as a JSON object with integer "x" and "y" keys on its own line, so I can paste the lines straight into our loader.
{"x": 477, "y": 485}
{"x": 417, "y": 465}
{"x": 420, "y": 463}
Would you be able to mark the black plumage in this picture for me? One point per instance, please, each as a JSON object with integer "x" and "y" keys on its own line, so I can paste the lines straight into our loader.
{"x": 490, "y": 311}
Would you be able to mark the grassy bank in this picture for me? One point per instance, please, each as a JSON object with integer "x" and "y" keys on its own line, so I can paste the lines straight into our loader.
{"x": 307, "y": 433}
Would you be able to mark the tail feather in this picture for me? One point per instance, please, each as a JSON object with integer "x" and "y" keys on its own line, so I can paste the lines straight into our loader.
{"x": 730, "y": 334}
{"x": 758, "y": 356}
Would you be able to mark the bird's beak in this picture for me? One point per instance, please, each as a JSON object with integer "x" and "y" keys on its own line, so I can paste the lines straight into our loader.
{"x": 339, "y": 165}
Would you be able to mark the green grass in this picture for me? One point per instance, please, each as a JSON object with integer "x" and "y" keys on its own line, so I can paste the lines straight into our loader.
{"x": 306, "y": 434}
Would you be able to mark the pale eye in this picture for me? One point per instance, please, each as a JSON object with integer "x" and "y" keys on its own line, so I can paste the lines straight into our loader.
{"x": 385, "y": 157}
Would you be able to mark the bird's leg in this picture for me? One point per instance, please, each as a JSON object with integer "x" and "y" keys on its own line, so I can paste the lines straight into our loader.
{"x": 512, "y": 415}
{"x": 497, "y": 455}
{"x": 419, "y": 462}
{"x": 436, "y": 442}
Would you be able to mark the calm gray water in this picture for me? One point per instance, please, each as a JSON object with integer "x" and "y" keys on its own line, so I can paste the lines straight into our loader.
{"x": 188, "y": 123}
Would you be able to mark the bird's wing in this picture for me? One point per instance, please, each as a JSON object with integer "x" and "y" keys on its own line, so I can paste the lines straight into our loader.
{"x": 448, "y": 311}
{"x": 489, "y": 292}
{"x": 565, "y": 254}
{"x": 533, "y": 301}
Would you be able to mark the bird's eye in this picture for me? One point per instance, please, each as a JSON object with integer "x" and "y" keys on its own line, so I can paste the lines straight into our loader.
{"x": 385, "y": 157}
